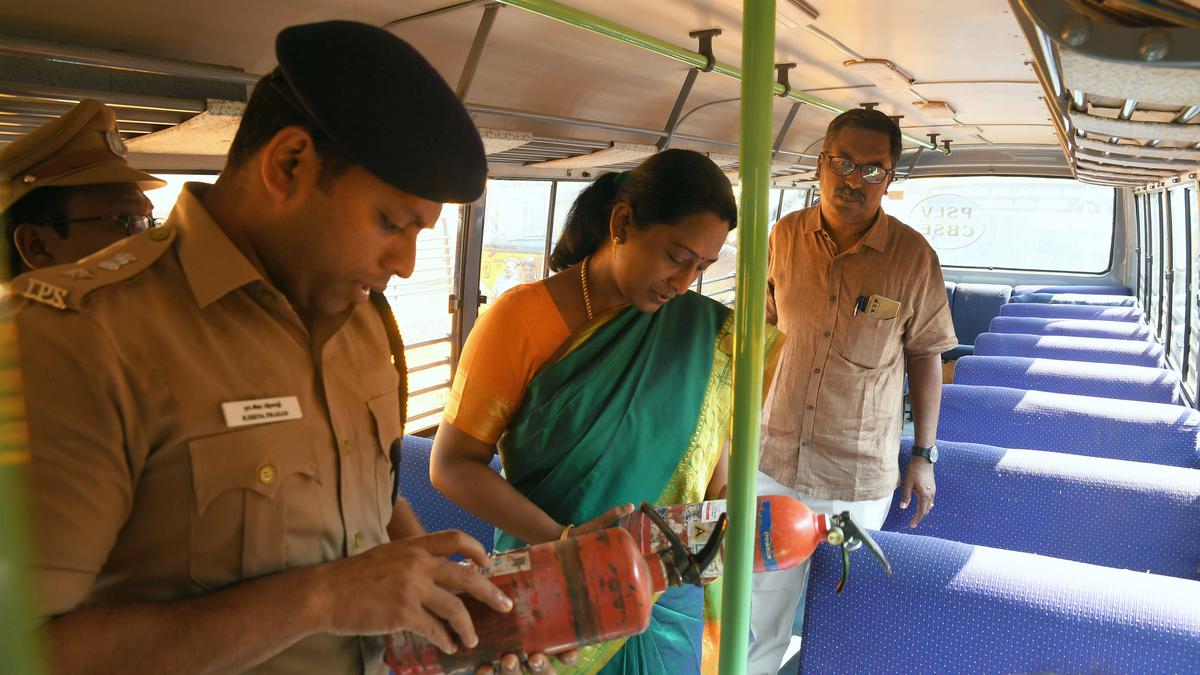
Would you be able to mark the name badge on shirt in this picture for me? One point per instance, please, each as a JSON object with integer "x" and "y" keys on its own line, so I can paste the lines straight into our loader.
{"x": 261, "y": 411}
{"x": 878, "y": 307}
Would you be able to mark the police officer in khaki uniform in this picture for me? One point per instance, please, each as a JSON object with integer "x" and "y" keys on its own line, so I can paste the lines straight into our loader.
{"x": 66, "y": 190}
{"x": 211, "y": 403}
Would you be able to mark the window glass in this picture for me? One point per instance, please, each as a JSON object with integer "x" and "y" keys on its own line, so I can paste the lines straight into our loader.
{"x": 1156, "y": 263}
{"x": 1179, "y": 267}
{"x": 1009, "y": 222}
{"x": 564, "y": 198}
{"x": 773, "y": 196}
{"x": 719, "y": 279}
{"x": 514, "y": 235}
{"x": 793, "y": 200}
{"x": 421, "y": 306}
{"x": 164, "y": 197}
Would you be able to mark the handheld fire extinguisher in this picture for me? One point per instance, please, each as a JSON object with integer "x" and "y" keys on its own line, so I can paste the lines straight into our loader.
{"x": 786, "y": 534}
{"x": 566, "y": 594}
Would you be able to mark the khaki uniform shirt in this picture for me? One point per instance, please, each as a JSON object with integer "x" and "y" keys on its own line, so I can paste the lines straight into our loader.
{"x": 831, "y": 426}
{"x": 141, "y": 489}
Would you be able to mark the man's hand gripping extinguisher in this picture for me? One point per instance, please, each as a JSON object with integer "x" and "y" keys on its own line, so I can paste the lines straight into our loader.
{"x": 566, "y": 594}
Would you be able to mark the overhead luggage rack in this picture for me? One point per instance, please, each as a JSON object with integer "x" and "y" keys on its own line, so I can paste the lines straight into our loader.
{"x": 1122, "y": 83}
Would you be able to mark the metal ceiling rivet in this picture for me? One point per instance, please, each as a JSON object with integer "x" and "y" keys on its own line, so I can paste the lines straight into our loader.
{"x": 1076, "y": 31}
{"x": 1155, "y": 45}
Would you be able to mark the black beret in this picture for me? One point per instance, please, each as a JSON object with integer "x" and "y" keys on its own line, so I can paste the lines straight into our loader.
{"x": 381, "y": 103}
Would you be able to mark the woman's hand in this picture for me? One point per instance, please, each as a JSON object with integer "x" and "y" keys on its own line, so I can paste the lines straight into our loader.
{"x": 602, "y": 521}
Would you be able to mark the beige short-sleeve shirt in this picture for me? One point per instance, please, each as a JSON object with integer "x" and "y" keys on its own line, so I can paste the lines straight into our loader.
{"x": 141, "y": 488}
{"x": 831, "y": 424}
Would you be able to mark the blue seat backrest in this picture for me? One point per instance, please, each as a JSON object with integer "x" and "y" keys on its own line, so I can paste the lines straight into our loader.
{"x": 974, "y": 306}
{"x": 1070, "y": 348}
{"x": 1110, "y": 380}
{"x": 950, "y": 295}
{"x": 435, "y": 511}
{"x": 1113, "y": 289}
{"x": 1077, "y": 299}
{"x": 990, "y": 496}
{"x": 1158, "y": 433}
{"x": 1090, "y": 312}
{"x": 993, "y": 611}
{"x": 1037, "y": 325}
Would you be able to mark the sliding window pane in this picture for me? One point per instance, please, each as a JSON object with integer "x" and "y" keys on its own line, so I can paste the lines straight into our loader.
{"x": 514, "y": 235}
{"x": 420, "y": 305}
{"x": 1156, "y": 263}
{"x": 1179, "y": 266}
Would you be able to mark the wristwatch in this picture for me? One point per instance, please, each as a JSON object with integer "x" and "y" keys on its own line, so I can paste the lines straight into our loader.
{"x": 930, "y": 453}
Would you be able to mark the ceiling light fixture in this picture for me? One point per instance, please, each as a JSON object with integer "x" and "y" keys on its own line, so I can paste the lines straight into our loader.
{"x": 937, "y": 110}
{"x": 883, "y": 73}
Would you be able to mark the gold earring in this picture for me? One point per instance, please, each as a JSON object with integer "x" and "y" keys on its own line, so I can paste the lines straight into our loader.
{"x": 615, "y": 242}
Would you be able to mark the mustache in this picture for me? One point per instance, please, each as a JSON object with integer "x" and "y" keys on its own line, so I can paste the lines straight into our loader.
{"x": 850, "y": 193}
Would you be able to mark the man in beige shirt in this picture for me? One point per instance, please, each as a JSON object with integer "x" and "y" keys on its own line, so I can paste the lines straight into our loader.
{"x": 211, "y": 404}
{"x": 860, "y": 296}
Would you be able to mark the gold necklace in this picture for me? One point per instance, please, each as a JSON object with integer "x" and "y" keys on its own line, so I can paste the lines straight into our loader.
{"x": 587, "y": 297}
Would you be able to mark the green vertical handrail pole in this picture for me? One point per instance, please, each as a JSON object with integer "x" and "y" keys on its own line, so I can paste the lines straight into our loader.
{"x": 758, "y": 80}
{"x": 19, "y": 648}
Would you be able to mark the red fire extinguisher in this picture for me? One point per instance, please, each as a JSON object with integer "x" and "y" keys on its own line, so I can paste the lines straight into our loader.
{"x": 786, "y": 533}
{"x": 566, "y": 594}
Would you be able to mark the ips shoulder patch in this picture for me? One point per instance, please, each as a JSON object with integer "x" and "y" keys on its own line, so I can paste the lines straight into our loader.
{"x": 64, "y": 287}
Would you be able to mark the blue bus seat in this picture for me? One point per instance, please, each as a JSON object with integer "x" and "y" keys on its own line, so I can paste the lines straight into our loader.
{"x": 1081, "y": 289}
{"x": 433, "y": 508}
{"x": 1035, "y": 325}
{"x": 1088, "y": 312}
{"x": 956, "y": 608}
{"x": 974, "y": 306}
{"x": 1138, "y": 431}
{"x": 1109, "y": 380}
{"x": 1129, "y": 515}
{"x": 1077, "y": 299}
{"x": 1069, "y": 348}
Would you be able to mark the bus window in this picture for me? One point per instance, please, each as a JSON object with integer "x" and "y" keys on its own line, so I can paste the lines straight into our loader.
{"x": 564, "y": 196}
{"x": 164, "y": 197}
{"x": 1180, "y": 316}
{"x": 425, "y": 324}
{"x": 514, "y": 235}
{"x": 793, "y": 200}
{"x": 1154, "y": 316}
{"x": 1010, "y": 222}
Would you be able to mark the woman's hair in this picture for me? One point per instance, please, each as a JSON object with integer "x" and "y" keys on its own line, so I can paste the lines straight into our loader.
{"x": 662, "y": 190}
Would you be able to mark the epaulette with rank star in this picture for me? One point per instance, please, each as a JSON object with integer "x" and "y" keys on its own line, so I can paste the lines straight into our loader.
{"x": 65, "y": 286}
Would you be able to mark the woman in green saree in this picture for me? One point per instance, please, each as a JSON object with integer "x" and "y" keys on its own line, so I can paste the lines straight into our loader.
{"x": 604, "y": 386}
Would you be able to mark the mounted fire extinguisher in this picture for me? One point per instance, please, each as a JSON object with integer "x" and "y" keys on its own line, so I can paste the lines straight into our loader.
{"x": 566, "y": 594}
{"x": 786, "y": 534}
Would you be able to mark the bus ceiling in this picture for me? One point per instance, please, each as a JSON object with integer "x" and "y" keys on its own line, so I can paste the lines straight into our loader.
{"x": 1120, "y": 82}
{"x": 1000, "y": 86}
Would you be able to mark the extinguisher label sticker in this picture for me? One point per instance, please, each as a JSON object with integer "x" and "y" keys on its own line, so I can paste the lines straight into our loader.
{"x": 766, "y": 545}
{"x": 508, "y": 563}
{"x": 713, "y": 510}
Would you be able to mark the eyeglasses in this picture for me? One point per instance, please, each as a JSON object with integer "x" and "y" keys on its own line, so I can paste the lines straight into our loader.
{"x": 871, "y": 173}
{"x": 132, "y": 223}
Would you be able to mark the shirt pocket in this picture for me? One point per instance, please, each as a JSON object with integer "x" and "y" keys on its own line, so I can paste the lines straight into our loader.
{"x": 389, "y": 428}
{"x": 244, "y": 482}
{"x": 870, "y": 343}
